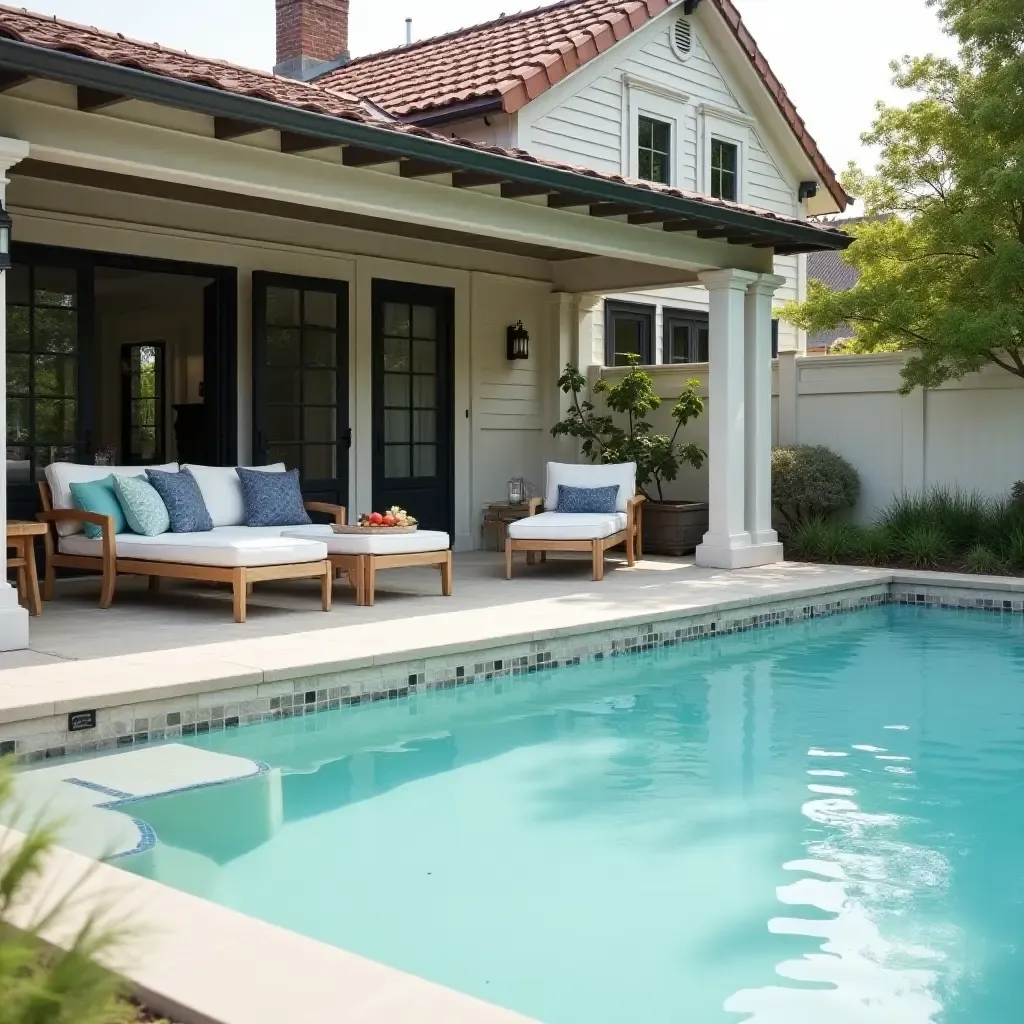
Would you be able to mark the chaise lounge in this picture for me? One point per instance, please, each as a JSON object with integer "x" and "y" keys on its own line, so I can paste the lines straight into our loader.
{"x": 230, "y": 553}
{"x": 595, "y": 532}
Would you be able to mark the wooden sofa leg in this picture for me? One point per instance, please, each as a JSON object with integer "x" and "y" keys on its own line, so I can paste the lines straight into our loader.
{"x": 369, "y": 580}
{"x": 597, "y": 557}
{"x": 239, "y": 592}
{"x": 154, "y": 584}
{"x": 630, "y": 550}
{"x": 508, "y": 558}
{"x": 327, "y": 587}
{"x": 107, "y": 588}
{"x": 49, "y": 579}
{"x": 446, "y": 575}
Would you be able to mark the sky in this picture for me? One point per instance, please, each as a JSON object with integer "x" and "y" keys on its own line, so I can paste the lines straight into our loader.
{"x": 833, "y": 65}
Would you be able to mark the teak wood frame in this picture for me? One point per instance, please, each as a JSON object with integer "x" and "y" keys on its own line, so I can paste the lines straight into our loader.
{"x": 632, "y": 537}
{"x": 109, "y": 566}
{"x": 362, "y": 570}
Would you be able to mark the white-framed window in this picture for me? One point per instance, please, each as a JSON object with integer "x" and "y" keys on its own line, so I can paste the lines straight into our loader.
{"x": 725, "y": 150}
{"x": 725, "y": 169}
{"x": 652, "y": 143}
{"x": 654, "y": 150}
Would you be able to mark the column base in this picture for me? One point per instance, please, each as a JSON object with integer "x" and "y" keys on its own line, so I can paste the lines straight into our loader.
{"x": 13, "y": 621}
{"x": 747, "y": 556}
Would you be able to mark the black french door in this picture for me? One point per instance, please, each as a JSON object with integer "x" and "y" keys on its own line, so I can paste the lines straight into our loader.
{"x": 300, "y": 380}
{"x": 413, "y": 385}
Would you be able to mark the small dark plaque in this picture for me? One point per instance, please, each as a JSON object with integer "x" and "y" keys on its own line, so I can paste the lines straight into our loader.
{"x": 79, "y": 721}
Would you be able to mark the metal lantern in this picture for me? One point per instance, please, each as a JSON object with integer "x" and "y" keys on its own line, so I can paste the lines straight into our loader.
{"x": 518, "y": 342}
{"x": 5, "y": 239}
{"x": 516, "y": 490}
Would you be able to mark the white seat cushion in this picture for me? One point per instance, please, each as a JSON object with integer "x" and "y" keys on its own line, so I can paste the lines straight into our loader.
{"x": 225, "y": 546}
{"x": 61, "y": 475}
{"x": 573, "y": 474}
{"x": 375, "y": 542}
{"x": 567, "y": 526}
{"x": 222, "y": 491}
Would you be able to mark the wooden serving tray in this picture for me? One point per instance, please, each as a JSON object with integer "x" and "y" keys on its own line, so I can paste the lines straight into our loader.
{"x": 356, "y": 530}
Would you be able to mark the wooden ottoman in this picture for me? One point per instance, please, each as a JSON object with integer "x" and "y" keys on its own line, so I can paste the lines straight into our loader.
{"x": 361, "y": 556}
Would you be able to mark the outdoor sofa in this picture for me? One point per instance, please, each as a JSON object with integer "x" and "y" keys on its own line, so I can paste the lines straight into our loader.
{"x": 230, "y": 553}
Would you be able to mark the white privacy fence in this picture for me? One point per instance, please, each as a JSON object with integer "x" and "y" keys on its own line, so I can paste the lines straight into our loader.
{"x": 967, "y": 434}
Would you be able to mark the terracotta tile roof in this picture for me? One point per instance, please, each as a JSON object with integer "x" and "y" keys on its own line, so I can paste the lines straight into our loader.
{"x": 112, "y": 48}
{"x": 514, "y": 59}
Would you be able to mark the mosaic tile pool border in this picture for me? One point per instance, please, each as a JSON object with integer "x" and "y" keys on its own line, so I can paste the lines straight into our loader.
{"x": 156, "y": 721}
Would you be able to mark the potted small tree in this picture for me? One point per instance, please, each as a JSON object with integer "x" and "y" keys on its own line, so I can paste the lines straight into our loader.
{"x": 670, "y": 527}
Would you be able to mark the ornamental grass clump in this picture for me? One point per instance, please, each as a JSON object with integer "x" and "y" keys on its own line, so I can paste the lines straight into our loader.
{"x": 983, "y": 560}
{"x": 812, "y": 482}
{"x": 924, "y": 546}
{"x": 39, "y": 983}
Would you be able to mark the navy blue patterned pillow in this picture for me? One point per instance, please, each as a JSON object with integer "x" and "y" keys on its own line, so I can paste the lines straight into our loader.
{"x": 587, "y": 499}
{"x": 272, "y": 499}
{"x": 185, "y": 506}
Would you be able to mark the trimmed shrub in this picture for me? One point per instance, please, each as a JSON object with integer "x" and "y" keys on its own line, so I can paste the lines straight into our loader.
{"x": 812, "y": 482}
{"x": 983, "y": 560}
{"x": 924, "y": 546}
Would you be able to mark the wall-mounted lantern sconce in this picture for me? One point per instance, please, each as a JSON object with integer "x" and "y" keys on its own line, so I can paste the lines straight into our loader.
{"x": 518, "y": 342}
{"x": 807, "y": 190}
{"x": 5, "y": 239}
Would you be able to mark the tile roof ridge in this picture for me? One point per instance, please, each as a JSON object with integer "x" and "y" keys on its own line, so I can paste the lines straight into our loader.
{"x": 120, "y": 37}
{"x": 468, "y": 30}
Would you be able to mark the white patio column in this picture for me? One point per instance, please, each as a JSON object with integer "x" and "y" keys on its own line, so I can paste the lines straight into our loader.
{"x": 758, "y": 517}
{"x": 13, "y": 618}
{"x": 727, "y": 542}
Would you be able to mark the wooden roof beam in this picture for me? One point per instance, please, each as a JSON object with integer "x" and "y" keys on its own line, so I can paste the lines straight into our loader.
{"x": 650, "y": 217}
{"x": 10, "y": 79}
{"x": 610, "y": 209}
{"x": 563, "y": 200}
{"x": 474, "y": 179}
{"x": 94, "y": 100}
{"x": 227, "y": 128}
{"x": 689, "y": 225}
{"x": 522, "y": 189}
{"x": 358, "y": 156}
{"x": 292, "y": 142}
{"x": 423, "y": 168}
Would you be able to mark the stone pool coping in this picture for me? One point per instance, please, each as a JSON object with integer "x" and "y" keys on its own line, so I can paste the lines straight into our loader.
{"x": 200, "y": 963}
{"x": 41, "y": 691}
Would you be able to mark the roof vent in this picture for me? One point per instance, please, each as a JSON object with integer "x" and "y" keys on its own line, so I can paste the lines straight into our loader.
{"x": 682, "y": 37}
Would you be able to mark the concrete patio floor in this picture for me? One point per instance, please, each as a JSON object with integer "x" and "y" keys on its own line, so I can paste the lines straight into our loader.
{"x": 73, "y": 627}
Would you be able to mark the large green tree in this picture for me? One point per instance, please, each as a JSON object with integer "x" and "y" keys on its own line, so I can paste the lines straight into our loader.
{"x": 941, "y": 255}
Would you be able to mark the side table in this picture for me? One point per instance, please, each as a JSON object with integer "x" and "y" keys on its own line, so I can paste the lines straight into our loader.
{"x": 21, "y": 536}
{"x": 496, "y": 518}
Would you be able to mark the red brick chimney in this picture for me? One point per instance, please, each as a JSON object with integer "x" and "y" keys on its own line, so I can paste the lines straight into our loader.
{"x": 312, "y": 37}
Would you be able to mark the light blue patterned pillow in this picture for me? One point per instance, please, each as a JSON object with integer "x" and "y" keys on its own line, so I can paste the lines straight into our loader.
{"x": 272, "y": 499}
{"x": 143, "y": 507}
{"x": 184, "y": 501}
{"x": 587, "y": 500}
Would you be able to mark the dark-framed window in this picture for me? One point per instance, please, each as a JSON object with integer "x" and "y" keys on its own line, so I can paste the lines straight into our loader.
{"x": 45, "y": 320}
{"x": 684, "y": 337}
{"x": 654, "y": 150}
{"x": 628, "y": 331}
{"x": 725, "y": 161}
{"x": 143, "y": 403}
{"x": 775, "y": 339}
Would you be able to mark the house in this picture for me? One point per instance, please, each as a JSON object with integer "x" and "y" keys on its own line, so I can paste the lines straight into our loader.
{"x": 672, "y": 92}
{"x": 216, "y": 264}
{"x": 834, "y": 272}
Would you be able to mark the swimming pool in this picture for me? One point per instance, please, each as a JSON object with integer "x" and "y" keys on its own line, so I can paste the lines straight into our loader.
{"x": 823, "y": 822}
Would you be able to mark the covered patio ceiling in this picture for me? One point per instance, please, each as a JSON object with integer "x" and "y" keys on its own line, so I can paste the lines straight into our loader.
{"x": 374, "y": 143}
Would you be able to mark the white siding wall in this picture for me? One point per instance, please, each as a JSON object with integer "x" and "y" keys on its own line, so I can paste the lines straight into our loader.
{"x": 588, "y": 120}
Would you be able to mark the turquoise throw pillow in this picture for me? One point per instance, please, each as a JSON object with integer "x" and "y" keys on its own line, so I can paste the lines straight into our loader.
{"x": 143, "y": 507}
{"x": 99, "y": 496}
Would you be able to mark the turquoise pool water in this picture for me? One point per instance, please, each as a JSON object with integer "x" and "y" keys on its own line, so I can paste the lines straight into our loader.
{"x": 822, "y": 823}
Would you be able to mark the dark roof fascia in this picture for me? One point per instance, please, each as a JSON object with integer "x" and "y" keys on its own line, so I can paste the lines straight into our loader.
{"x": 454, "y": 112}
{"x": 73, "y": 69}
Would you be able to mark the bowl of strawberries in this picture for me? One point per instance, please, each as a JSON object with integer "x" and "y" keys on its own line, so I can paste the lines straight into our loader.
{"x": 395, "y": 520}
